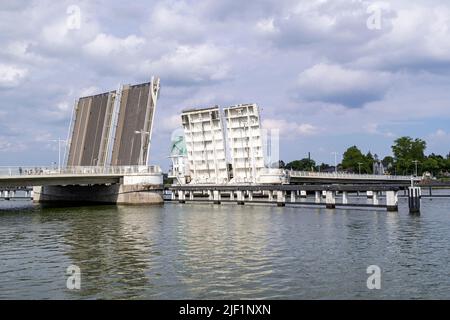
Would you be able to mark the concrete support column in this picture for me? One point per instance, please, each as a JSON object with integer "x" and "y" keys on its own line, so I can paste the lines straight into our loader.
{"x": 232, "y": 195}
{"x": 240, "y": 197}
{"x": 6, "y": 194}
{"x": 270, "y": 193}
{"x": 181, "y": 196}
{"x": 12, "y": 194}
{"x": 31, "y": 194}
{"x": 293, "y": 196}
{"x": 345, "y": 197}
{"x": 303, "y": 194}
{"x": 414, "y": 199}
{"x": 191, "y": 195}
{"x": 392, "y": 201}
{"x": 324, "y": 194}
{"x": 210, "y": 195}
{"x": 375, "y": 198}
{"x": 250, "y": 196}
{"x": 369, "y": 194}
{"x": 331, "y": 200}
{"x": 217, "y": 197}
{"x": 317, "y": 197}
{"x": 173, "y": 195}
{"x": 281, "y": 198}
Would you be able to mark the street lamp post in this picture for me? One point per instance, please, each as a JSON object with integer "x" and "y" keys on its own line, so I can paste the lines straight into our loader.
{"x": 335, "y": 161}
{"x": 359, "y": 167}
{"x": 416, "y": 162}
{"x": 143, "y": 134}
{"x": 59, "y": 140}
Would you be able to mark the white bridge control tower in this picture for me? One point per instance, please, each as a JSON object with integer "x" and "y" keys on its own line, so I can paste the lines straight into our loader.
{"x": 245, "y": 142}
{"x": 205, "y": 145}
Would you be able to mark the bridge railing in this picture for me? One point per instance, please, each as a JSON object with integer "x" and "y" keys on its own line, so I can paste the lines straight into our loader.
{"x": 110, "y": 170}
{"x": 342, "y": 175}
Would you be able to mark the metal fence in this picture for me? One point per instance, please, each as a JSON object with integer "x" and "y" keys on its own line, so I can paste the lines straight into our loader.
{"x": 112, "y": 170}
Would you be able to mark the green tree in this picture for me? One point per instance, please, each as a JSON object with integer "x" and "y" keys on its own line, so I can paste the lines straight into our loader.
{"x": 354, "y": 160}
{"x": 301, "y": 165}
{"x": 388, "y": 163}
{"x": 406, "y": 150}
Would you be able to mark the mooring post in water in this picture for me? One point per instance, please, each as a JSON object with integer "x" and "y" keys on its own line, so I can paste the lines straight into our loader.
{"x": 414, "y": 199}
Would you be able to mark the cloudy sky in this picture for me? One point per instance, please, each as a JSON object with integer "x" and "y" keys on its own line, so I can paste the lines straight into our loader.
{"x": 327, "y": 74}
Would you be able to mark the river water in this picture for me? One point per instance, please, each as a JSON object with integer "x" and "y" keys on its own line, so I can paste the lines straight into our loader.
{"x": 202, "y": 251}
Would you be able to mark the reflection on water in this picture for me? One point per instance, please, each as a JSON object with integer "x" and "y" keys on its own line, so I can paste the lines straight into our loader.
{"x": 206, "y": 252}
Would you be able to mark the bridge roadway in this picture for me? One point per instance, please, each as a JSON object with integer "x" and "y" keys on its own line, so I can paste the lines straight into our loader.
{"x": 36, "y": 176}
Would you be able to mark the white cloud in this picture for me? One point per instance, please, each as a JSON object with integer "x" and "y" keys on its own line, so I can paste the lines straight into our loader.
{"x": 290, "y": 128}
{"x": 8, "y": 144}
{"x": 11, "y": 76}
{"x": 200, "y": 64}
{"x": 333, "y": 83}
{"x": 105, "y": 45}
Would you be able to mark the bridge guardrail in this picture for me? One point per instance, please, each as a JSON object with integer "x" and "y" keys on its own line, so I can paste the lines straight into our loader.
{"x": 48, "y": 171}
{"x": 342, "y": 175}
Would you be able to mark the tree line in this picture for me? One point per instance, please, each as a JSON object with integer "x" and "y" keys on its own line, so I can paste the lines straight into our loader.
{"x": 408, "y": 158}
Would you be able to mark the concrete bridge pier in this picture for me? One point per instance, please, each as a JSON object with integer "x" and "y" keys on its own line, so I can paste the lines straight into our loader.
{"x": 191, "y": 195}
{"x": 250, "y": 195}
{"x": 132, "y": 189}
{"x": 281, "y": 198}
{"x": 270, "y": 194}
{"x": 240, "y": 197}
{"x": 317, "y": 197}
{"x": 345, "y": 197}
{"x": 232, "y": 195}
{"x": 330, "y": 200}
{"x": 6, "y": 195}
{"x": 217, "y": 197}
{"x": 293, "y": 196}
{"x": 392, "y": 201}
{"x": 375, "y": 198}
{"x": 181, "y": 196}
